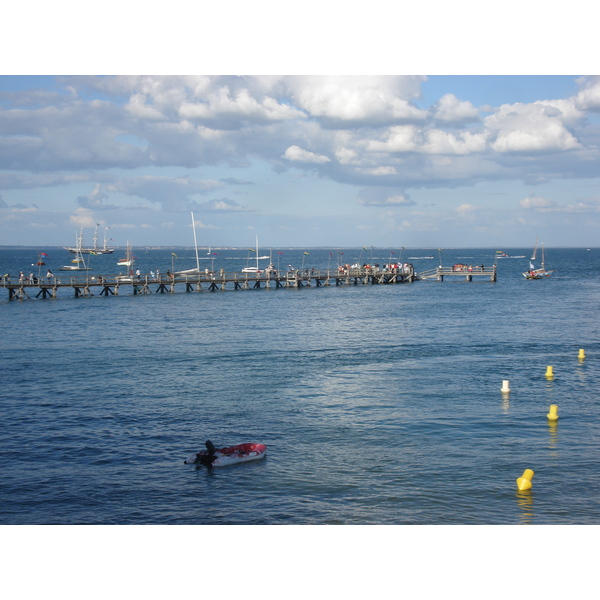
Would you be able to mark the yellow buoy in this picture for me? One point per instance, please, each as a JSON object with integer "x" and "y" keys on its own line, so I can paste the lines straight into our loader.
{"x": 553, "y": 414}
{"x": 549, "y": 372}
{"x": 505, "y": 386}
{"x": 524, "y": 482}
{"x": 581, "y": 354}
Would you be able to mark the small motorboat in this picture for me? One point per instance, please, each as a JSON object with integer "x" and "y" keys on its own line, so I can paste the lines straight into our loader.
{"x": 221, "y": 457}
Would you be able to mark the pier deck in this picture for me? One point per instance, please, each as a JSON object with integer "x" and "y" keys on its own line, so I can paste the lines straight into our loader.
{"x": 88, "y": 285}
{"x": 463, "y": 271}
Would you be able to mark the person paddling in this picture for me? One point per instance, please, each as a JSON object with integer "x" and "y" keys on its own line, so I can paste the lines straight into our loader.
{"x": 208, "y": 458}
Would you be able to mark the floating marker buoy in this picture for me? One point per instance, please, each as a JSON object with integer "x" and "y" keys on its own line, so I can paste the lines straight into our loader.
{"x": 524, "y": 482}
{"x": 505, "y": 387}
{"x": 581, "y": 354}
{"x": 553, "y": 414}
{"x": 549, "y": 372}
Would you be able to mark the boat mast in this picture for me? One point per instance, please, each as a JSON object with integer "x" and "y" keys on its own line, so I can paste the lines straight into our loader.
{"x": 257, "y": 254}
{"x": 79, "y": 254}
{"x": 96, "y": 237}
{"x": 543, "y": 262}
{"x": 195, "y": 242}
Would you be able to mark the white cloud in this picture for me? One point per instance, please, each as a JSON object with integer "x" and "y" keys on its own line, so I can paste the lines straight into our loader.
{"x": 536, "y": 127}
{"x": 464, "y": 209}
{"x": 346, "y": 156}
{"x": 369, "y": 99}
{"x": 402, "y": 138}
{"x": 389, "y": 201}
{"x": 378, "y": 171}
{"x": 450, "y": 109}
{"x": 588, "y": 97}
{"x": 537, "y": 202}
{"x": 376, "y": 196}
{"x": 138, "y": 108}
{"x": 223, "y": 205}
{"x": 444, "y": 142}
{"x": 297, "y": 154}
{"x": 83, "y": 217}
{"x": 200, "y": 225}
{"x": 544, "y": 205}
{"x": 223, "y": 103}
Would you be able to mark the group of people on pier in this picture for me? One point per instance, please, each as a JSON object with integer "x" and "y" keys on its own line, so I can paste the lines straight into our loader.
{"x": 31, "y": 278}
{"x": 403, "y": 268}
{"x": 467, "y": 268}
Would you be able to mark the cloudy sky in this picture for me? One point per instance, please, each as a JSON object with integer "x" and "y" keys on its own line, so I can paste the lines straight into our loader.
{"x": 300, "y": 160}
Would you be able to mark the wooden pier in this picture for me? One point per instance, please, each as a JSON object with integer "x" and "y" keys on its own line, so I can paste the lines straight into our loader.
{"x": 88, "y": 285}
{"x": 463, "y": 271}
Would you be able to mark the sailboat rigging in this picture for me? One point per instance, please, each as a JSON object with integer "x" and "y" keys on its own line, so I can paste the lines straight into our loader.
{"x": 540, "y": 273}
{"x": 79, "y": 262}
{"x": 78, "y": 248}
{"x": 195, "y": 271}
{"x": 535, "y": 248}
{"x": 128, "y": 261}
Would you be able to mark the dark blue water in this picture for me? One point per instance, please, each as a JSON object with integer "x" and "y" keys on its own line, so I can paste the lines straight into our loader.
{"x": 378, "y": 404}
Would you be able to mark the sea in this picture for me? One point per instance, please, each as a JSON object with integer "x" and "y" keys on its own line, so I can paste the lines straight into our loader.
{"x": 380, "y": 405}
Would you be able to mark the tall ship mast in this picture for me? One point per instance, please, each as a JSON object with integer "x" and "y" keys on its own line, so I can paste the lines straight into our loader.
{"x": 95, "y": 249}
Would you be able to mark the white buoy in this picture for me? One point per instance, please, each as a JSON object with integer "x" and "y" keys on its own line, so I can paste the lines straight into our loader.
{"x": 505, "y": 387}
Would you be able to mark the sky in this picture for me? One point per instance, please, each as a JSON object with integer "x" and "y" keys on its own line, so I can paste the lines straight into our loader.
{"x": 457, "y": 158}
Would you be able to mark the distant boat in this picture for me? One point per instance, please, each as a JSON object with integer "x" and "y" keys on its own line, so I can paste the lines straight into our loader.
{"x": 500, "y": 254}
{"x": 540, "y": 273}
{"x": 256, "y": 269}
{"x": 128, "y": 260}
{"x": 94, "y": 249}
{"x": 79, "y": 262}
{"x": 196, "y": 270}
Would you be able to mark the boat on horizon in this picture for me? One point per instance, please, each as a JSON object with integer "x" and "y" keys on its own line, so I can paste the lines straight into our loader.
{"x": 93, "y": 249}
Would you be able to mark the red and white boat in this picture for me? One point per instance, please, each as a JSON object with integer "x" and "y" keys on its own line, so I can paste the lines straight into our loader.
{"x": 222, "y": 457}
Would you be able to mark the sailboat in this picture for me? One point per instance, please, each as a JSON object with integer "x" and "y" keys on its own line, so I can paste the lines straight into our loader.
{"x": 79, "y": 263}
{"x": 78, "y": 248}
{"x": 540, "y": 273}
{"x": 127, "y": 261}
{"x": 255, "y": 269}
{"x": 94, "y": 249}
{"x": 196, "y": 270}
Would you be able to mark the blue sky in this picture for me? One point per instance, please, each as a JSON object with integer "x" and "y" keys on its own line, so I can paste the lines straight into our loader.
{"x": 415, "y": 160}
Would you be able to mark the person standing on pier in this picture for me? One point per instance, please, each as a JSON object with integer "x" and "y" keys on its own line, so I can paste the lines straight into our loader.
{"x": 49, "y": 274}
